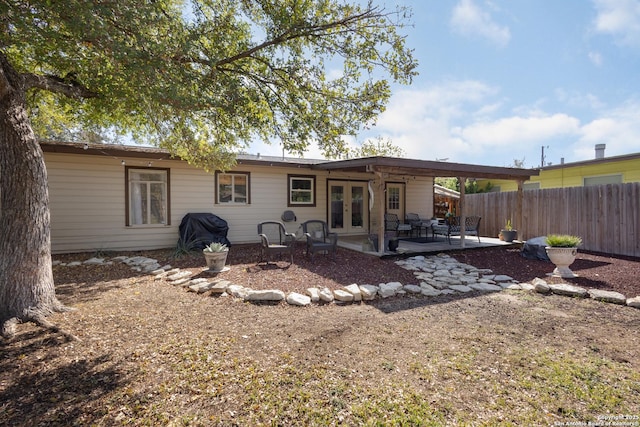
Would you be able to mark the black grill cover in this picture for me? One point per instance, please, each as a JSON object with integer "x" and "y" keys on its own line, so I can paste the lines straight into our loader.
{"x": 197, "y": 230}
{"x": 535, "y": 248}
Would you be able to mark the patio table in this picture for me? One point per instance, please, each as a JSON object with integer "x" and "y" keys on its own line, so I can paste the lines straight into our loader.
{"x": 427, "y": 225}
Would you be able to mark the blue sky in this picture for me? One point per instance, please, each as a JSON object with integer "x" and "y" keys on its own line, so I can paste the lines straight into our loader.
{"x": 500, "y": 79}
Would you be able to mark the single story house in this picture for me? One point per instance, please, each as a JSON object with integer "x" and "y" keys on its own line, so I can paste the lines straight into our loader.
{"x": 115, "y": 197}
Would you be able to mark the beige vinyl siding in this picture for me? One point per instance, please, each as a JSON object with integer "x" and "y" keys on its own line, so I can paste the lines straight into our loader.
{"x": 88, "y": 210}
{"x": 268, "y": 188}
{"x": 192, "y": 191}
{"x": 419, "y": 195}
{"x": 87, "y": 199}
{"x": 87, "y": 196}
{"x": 269, "y": 200}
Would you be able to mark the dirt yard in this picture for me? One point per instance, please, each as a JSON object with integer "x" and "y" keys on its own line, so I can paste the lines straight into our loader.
{"x": 154, "y": 354}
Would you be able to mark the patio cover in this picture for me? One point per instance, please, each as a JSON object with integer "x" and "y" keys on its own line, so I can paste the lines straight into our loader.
{"x": 385, "y": 166}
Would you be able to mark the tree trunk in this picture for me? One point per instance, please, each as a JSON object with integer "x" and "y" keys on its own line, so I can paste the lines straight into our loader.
{"x": 27, "y": 291}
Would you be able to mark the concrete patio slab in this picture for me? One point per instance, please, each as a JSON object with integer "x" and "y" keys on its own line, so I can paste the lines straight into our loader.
{"x": 439, "y": 244}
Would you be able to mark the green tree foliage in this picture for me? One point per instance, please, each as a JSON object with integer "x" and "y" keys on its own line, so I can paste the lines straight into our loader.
{"x": 200, "y": 78}
{"x": 204, "y": 78}
{"x": 470, "y": 187}
{"x": 518, "y": 163}
{"x": 378, "y": 147}
{"x": 450, "y": 183}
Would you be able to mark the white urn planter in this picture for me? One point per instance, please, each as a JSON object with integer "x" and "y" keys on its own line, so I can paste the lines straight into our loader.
{"x": 216, "y": 260}
{"x": 215, "y": 255}
{"x": 562, "y": 258}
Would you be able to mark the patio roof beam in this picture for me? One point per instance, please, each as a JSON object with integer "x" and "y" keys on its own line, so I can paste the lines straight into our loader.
{"x": 411, "y": 167}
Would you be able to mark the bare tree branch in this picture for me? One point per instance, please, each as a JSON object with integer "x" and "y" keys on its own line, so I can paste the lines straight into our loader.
{"x": 292, "y": 33}
{"x": 300, "y": 32}
{"x": 67, "y": 86}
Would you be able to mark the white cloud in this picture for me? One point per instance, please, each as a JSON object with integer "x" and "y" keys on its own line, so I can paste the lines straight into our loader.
{"x": 595, "y": 58}
{"x": 516, "y": 130}
{"x": 620, "y": 18}
{"x": 470, "y": 20}
{"x": 579, "y": 100}
{"x": 463, "y": 122}
{"x": 487, "y": 110}
{"x": 442, "y": 122}
{"x": 420, "y": 120}
{"x": 618, "y": 128}
{"x": 447, "y": 100}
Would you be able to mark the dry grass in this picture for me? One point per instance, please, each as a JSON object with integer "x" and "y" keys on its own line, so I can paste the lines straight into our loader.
{"x": 153, "y": 354}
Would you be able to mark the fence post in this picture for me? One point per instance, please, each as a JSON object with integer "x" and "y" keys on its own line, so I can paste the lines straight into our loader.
{"x": 520, "y": 223}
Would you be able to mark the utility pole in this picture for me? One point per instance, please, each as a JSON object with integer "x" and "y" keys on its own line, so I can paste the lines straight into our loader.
{"x": 542, "y": 157}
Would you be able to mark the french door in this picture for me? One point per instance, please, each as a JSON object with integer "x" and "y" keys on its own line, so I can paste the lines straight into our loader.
{"x": 348, "y": 212}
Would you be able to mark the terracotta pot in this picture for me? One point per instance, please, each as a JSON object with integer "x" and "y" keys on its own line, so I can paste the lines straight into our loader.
{"x": 562, "y": 258}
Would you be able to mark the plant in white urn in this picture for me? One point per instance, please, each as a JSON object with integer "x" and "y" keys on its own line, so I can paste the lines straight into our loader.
{"x": 215, "y": 255}
{"x": 562, "y": 250}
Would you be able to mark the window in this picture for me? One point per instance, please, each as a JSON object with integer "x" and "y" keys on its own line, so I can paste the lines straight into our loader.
{"x": 232, "y": 188}
{"x": 393, "y": 198}
{"x": 302, "y": 190}
{"x": 147, "y": 196}
{"x": 531, "y": 186}
{"x": 602, "y": 180}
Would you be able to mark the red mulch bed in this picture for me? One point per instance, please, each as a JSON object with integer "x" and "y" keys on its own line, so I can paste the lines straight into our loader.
{"x": 595, "y": 270}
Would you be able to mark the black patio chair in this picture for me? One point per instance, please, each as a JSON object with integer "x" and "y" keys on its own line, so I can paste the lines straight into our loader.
{"x": 275, "y": 240}
{"x": 392, "y": 223}
{"x": 416, "y": 223}
{"x": 319, "y": 239}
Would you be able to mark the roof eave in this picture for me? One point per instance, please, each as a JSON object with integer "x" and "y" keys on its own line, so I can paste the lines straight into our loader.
{"x": 427, "y": 168}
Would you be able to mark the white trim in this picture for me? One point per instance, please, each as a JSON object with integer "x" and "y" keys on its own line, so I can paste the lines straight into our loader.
{"x": 310, "y": 191}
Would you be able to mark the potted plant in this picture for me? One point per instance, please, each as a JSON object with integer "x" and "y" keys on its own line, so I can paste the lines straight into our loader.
{"x": 562, "y": 250}
{"x": 447, "y": 217}
{"x": 215, "y": 255}
{"x": 508, "y": 233}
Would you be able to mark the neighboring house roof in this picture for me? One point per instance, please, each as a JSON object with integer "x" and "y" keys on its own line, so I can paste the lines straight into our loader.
{"x": 380, "y": 164}
{"x": 624, "y": 157}
{"x": 623, "y": 168}
{"x": 444, "y": 191}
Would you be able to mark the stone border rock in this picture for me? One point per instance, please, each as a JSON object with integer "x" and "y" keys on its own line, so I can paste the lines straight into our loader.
{"x": 435, "y": 275}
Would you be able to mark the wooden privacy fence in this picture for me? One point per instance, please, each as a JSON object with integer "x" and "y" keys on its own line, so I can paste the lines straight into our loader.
{"x": 607, "y": 217}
